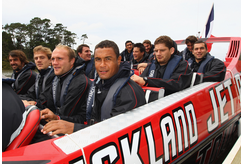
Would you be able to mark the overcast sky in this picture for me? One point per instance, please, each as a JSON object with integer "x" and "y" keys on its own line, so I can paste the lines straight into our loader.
{"x": 121, "y": 20}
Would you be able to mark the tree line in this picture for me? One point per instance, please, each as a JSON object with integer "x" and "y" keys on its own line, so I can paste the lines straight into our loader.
{"x": 27, "y": 36}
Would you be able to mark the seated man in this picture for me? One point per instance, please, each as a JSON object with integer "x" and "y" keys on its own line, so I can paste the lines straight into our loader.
{"x": 69, "y": 91}
{"x": 22, "y": 71}
{"x": 13, "y": 112}
{"x": 112, "y": 75}
{"x": 149, "y": 49}
{"x": 83, "y": 52}
{"x": 187, "y": 53}
{"x": 127, "y": 54}
{"x": 139, "y": 55}
{"x": 168, "y": 70}
{"x": 213, "y": 69}
{"x": 43, "y": 82}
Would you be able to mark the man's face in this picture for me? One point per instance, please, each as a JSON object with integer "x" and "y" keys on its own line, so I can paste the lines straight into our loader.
{"x": 129, "y": 46}
{"x": 199, "y": 51}
{"x": 163, "y": 53}
{"x": 137, "y": 54}
{"x": 61, "y": 62}
{"x": 86, "y": 55}
{"x": 15, "y": 63}
{"x": 190, "y": 46}
{"x": 41, "y": 60}
{"x": 106, "y": 63}
{"x": 147, "y": 47}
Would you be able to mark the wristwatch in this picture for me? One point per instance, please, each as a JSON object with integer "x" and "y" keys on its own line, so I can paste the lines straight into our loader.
{"x": 145, "y": 79}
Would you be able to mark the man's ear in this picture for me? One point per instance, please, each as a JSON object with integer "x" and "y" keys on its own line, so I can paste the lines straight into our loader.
{"x": 72, "y": 61}
{"x": 143, "y": 53}
{"x": 172, "y": 50}
{"x": 79, "y": 54}
{"x": 119, "y": 59}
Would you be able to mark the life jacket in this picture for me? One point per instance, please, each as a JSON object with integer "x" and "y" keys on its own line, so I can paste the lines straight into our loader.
{"x": 15, "y": 84}
{"x": 184, "y": 53}
{"x": 130, "y": 58}
{"x": 202, "y": 67}
{"x": 169, "y": 69}
{"x": 89, "y": 67}
{"x": 109, "y": 101}
{"x": 46, "y": 76}
{"x": 65, "y": 86}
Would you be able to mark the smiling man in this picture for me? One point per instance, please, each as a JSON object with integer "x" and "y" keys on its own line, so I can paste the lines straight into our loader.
{"x": 212, "y": 69}
{"x": 22, "y": 71}
{"x": 168, "y": 70}
{"x": 111, "y": 93}
{"x": 139, "y": 55}
{"x": 69, "y": 89}
{"x": 127, "y": 54}
{"x": 187, "y": 53}
{"x": 37, "y": 94}
{"x": 84, "y": 53}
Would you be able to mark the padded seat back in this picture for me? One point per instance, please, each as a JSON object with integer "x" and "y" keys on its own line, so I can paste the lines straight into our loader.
{"x": 153, "y": 93}
{"x": 29, "y": 129}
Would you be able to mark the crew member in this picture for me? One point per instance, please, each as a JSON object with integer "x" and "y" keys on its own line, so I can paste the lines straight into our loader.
{"x": 213, "y": 69}
{"x": 69, "y": 88}
{"x": 23, "y": 71}
{"x": 187, "y": 53}
{"x": 167, "y": 70}
{"x": 127, "y": 54}
{"x": 112, "y": 91}
{"x": 84, "y": 52}
{"x": 37, "y": 94}
{"x": 139, "y": 55}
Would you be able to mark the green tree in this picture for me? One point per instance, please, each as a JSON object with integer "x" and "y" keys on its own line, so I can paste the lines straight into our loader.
{"x": 37, "y": 32}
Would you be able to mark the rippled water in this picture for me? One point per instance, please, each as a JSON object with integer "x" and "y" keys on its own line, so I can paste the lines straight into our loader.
{"x": 7, "y": 73}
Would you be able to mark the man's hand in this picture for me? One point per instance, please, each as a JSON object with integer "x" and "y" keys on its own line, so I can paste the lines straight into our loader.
{"x": 32, "y": 102}
{"x": 27, "y": 103}
{"x": 141, "y": 67}
{"x": 58, "y": 127}
{"x": 139, "y": 80}
{"x": 48, "y": 115}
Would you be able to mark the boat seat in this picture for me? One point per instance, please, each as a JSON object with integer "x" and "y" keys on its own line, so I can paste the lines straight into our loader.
{"x": 153, "y": 93}
{"x": 136, "y": 71}
{"x": 197, "y": 78}
{"x": 29, "y": 129}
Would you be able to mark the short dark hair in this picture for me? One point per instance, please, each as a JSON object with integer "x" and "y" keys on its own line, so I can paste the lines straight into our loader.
{"x": 80, "y": 48}
{"x": 165, "y": 40}
{"x": 109, "y": 44}
{"x": 140, "y": 46}
{"x": 128, "y": 41}
{"x": 200, "y": 41}
{"x": 191, "y": 39}
{"x": 20, "y": 54}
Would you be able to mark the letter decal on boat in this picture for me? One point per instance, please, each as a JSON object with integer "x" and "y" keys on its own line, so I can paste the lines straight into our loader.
{"x": 212, "y": 125}
{"x": 168, "y": 136}
{"x": 202, "y": 154}
{"x": 238, "y": 84}
{"x": 130, "y": 150}
{"x": 179, "y": 116}
{"x": 104, "y": 153}
{"x": 222, "y": 102}
{"x": 78, "y": 160}
{"x": 192, "y": 123}
{"x": 151, "y": 145}
{"x": 228, "y": 84}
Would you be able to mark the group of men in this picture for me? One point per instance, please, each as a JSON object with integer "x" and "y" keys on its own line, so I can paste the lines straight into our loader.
{"x": 69, "y": 101}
